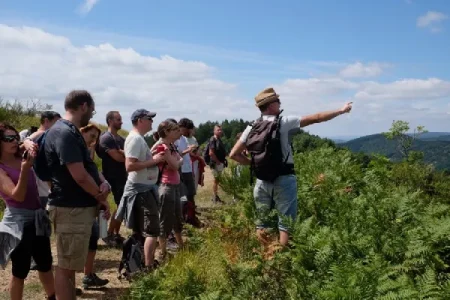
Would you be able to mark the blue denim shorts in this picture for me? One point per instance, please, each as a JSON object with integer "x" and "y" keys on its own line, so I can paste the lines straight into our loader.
{"x": 280, "y": 195}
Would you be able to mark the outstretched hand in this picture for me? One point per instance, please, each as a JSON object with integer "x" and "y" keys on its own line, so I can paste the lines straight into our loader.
{"x": 347, "y": 107}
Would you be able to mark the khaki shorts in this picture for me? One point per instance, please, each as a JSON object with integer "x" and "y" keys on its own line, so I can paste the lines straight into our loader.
{"x": 217, "y": 170}
{"x": 73, "y": 226}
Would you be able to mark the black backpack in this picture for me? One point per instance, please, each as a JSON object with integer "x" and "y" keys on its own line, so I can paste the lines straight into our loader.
{"x": 264, "y": 145}
{"x": 132, "y": 257}
{"x": 206, "y": 155}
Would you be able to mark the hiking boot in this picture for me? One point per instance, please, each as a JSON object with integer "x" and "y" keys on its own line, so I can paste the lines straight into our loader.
{"x": 94, "y": 281}
{"x": 152, "y": 268}
{"x": 216, "y": 199}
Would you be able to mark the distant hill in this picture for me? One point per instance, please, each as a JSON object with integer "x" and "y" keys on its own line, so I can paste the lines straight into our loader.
{"x": 435, "y": 136}
{"x": 339, "y": 139}
{"x": 435, "y": 146}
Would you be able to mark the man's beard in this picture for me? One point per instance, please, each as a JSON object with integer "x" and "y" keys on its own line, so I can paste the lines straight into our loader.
{"x": 85, "y": 120}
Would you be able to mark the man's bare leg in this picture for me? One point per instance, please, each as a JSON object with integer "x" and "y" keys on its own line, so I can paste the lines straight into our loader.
{"x": 64, "y": 284}
{"x": 48, "y": 282}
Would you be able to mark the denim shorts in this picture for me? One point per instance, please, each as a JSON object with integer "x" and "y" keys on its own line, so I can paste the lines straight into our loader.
{"x": 280, "y": 195}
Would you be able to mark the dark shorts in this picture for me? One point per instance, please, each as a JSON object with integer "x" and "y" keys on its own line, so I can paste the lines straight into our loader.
{"x": 95, "y": 234}
{"x": 117, "y": 188}
{"x": 146, "y": 214}
{"x": 31, "y": 246}
{"x": 170, "y": 215}
{"x": 188, "y": 185}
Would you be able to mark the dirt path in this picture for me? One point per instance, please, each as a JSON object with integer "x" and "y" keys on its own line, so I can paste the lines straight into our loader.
{"x": 106, "y": 263}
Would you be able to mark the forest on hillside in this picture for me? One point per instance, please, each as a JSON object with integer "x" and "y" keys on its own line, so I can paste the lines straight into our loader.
{"x": 436, "y": 150}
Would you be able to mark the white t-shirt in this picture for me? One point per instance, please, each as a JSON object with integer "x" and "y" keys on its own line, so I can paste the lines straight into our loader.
{"x": 136, "y": 147}
{"x": 192, "y": 141}
{"x": 288, "y": 127}
{"x": 182, "y": 144}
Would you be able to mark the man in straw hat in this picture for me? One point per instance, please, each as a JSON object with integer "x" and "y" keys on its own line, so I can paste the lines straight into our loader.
{"x": 281, "y": 190}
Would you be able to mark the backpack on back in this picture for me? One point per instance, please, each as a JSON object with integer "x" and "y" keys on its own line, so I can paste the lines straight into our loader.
{"x": 132, "y": 257}
{"x": 40, "y": 164}
{"x": 264, "y": 145}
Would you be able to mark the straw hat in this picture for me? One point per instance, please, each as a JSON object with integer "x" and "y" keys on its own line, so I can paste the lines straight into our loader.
{"x": 268, "y": 95}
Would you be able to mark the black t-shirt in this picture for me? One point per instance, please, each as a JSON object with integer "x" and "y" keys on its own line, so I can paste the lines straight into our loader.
{"x": 64, "y": 144}
{"x": 112, "y": 169}
{"x": 218, "y": 148}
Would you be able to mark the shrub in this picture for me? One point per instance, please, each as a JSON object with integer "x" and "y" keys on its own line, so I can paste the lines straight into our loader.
{"x": 377, "y": 230}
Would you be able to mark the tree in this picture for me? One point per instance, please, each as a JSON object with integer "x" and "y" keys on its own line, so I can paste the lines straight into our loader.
{"x": 399, "y": 131}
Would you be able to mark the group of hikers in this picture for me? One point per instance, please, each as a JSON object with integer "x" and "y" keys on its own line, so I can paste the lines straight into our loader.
{"x": 48, "y": 179}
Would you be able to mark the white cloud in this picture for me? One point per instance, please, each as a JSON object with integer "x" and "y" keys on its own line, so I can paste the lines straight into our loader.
{"x": 359, "y": 69}
{"x": 87, "y": 6}
{"x": 431, "y": 20}
{"x": 38, "y": 64}
{"x": 406, "y": 89}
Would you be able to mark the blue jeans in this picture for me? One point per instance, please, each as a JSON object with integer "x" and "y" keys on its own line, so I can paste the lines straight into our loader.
{"x": 281, "y": 195}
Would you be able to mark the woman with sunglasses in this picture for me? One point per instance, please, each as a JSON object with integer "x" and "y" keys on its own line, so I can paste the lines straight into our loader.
{"x": 25, "y": 228}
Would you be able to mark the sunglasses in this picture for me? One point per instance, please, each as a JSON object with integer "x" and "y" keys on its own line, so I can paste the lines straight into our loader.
{"x": 10, "y": 138}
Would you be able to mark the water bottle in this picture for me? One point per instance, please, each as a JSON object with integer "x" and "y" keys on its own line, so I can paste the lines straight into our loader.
{"x": 102, "y": 224}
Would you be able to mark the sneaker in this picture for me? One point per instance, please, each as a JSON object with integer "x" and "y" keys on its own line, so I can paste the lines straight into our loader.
{"x": 94, "y": 281}
{"x": 110, "y": 240}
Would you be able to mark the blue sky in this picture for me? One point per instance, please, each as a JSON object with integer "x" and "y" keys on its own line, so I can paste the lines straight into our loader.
{"x": 389, "y": 57}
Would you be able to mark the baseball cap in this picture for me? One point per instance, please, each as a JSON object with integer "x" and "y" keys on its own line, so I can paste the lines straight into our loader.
{"x": 142, "y": 113}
